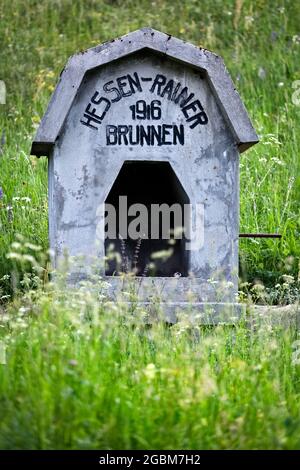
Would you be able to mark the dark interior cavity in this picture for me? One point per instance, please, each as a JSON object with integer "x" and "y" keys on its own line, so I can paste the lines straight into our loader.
{"x": 147, "y": 183}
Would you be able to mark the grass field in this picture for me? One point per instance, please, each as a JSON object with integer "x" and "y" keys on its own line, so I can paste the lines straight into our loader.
{"x": 79, "y": 375}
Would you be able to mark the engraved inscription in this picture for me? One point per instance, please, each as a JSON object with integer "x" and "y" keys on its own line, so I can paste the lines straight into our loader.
{"x": 164, "y": 133}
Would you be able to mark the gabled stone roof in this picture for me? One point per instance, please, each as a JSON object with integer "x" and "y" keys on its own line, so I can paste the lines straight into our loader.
{"x": 79, "y": 64}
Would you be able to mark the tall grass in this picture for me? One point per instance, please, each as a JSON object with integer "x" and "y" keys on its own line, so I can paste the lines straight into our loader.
{"x": 82, "y": 374}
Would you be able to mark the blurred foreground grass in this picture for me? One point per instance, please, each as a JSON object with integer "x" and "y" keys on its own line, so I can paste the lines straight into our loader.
{"x": 82, "y": 374}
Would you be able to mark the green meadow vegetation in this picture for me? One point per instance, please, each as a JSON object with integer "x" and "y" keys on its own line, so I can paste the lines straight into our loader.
{"x": 78, "y": 373}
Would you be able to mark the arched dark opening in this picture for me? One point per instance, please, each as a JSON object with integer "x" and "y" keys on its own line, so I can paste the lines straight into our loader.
{"x": 150, "y": 184}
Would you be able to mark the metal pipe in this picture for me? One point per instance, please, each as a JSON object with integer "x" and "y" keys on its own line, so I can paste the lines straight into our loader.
{"x": 260, "y": 235}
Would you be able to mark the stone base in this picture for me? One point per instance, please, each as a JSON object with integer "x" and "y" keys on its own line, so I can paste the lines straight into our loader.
{"x": 193, "y": 299}
{"x": 170, "y": 290}
{"x": 210, "y": 313}
{"x": 285, "y": 316}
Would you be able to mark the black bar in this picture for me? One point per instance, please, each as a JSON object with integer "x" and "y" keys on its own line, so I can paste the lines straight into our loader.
{"x": 133, "y": 459}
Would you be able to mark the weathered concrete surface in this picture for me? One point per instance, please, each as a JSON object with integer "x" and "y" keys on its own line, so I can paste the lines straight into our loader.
{"x": 85, "y": 158}
{"x": 275, "y": 315}
{"x": 82, "y": 170}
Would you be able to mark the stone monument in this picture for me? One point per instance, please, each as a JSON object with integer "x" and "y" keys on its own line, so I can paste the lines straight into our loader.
{"x": 138, "y": 128}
